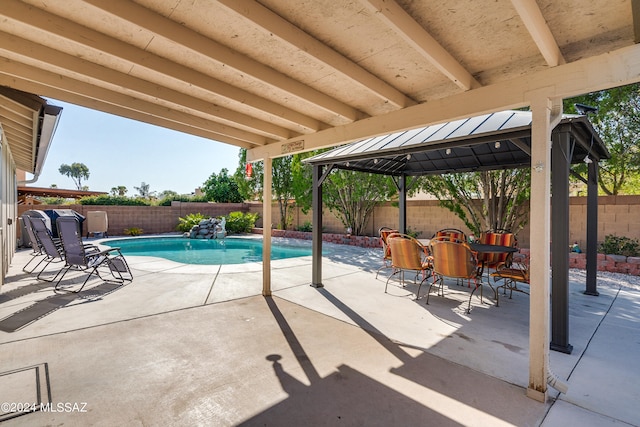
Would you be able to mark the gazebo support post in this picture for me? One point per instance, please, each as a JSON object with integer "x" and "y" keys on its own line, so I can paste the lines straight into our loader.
{"x": 402, "y": 203}
{"x": 560, "y": 164}
{"x": 592, "y": 229}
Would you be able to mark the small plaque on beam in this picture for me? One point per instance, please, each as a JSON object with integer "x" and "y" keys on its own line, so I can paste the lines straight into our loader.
{"x": 290, "y": 147}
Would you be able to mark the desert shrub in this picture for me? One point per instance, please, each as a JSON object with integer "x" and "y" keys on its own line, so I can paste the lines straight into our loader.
{"x": 188, "y": 221}
{"x": 307, "y": 226}
{"x": 133, "y": 231}
{"x": 240, "y": 222}
{"x": 616, "y": 245}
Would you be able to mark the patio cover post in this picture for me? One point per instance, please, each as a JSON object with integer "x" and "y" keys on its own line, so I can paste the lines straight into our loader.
{"x": 540, "y": 222}
{"x": 592, "y": 229}
{"x": 316, "y": 231}
{"x": 266, "y": 228}
{"x": 402, "y": 203}
{"x": 560, "y": 165}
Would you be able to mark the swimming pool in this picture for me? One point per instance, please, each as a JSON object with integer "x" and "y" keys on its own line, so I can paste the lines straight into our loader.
{"x": 206, "y": 252}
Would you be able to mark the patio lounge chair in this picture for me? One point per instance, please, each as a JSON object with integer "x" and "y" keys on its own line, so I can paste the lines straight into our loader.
{"x": 36, "y": 247}
{"x": 386, "y": 252}
{"x": 50, "y": 247}
{"x": 82, "y": 257}
{"x": 455, "y": 260}
{"x": 408, "y": 254}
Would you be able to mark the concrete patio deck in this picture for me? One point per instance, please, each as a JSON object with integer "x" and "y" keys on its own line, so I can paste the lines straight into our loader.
{"x": 199, "y": 345}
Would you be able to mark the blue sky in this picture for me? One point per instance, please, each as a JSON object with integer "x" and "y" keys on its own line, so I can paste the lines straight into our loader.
{"x": 120, "y": 151}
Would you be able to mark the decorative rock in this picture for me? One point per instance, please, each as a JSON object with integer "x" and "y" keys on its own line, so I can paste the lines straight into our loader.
{"x": 211, "y": 228}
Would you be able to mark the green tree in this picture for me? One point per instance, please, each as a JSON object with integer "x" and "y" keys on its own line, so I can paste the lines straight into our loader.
{"x": 484, "y": 200}
{"x": 167, "y": 194}
{"x": 618, "y": 124}
{"x": 250, "y": 188}
{"x": 302, "y": 180}
{"x": 120, "y": 190}
{"x": 352, "y": 196}
{"x": 76, "y": 171}
{"x": 282, "y": 186}
{"x": 291, "y": 180}
{"x": 144, "y": 191}
{"x": 222, "y": 188}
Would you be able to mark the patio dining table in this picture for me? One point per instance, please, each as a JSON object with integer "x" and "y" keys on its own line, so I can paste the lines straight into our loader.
{"x": 486, "y": 248}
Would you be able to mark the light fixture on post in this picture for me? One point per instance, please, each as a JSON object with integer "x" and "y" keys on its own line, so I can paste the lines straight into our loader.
{"x": 585, "y": 109}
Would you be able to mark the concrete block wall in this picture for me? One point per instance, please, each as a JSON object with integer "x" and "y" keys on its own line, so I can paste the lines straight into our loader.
{"x": 617, "y": 215}
{"x": 330, "y": 222}
{"x": 151, "y": 219}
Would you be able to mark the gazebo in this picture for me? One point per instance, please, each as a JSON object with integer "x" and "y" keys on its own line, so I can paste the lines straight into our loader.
{"x": 492, "y": 141}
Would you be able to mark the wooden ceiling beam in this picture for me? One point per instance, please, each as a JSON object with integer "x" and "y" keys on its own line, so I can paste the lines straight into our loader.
{"x": 107, "y": 77}
{"x": 635, "y": 13}
{"x": 171, "y": 30}
{"x": 90, "y": 39}
{"x": 286, "y": 31}
{"x": 417, "y": 37}
{"x": 48, "y": 84}
{"x": 537, "y": 26}
{"x": 617, "y": 68}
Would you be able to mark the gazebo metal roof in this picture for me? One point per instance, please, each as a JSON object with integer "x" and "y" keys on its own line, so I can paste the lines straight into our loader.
{"x": 499, "y": 140}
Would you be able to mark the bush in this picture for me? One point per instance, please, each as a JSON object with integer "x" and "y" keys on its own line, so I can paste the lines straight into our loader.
{"x": 307, "y": 226}
{"x": 167, "y": 200}
{"x": 186, "y": 223}
{"x": 239, "y": 222}
{"x": 113, "y": 200}
{"x": 413, "y": 233}
{"x": 55, "y": 200}
{"x": 615, "y": 245}
{"x": 133, "y": 231}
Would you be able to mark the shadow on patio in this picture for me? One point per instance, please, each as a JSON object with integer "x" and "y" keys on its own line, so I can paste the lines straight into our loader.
{"x": 427, "y": 390}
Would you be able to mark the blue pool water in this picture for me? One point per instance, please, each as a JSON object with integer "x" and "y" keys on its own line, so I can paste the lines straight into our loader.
{"x": 198, "y": 251}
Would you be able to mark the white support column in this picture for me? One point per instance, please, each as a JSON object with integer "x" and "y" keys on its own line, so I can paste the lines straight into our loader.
{"x": 540, "y": 220}
{"x": 266, "y": 228}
